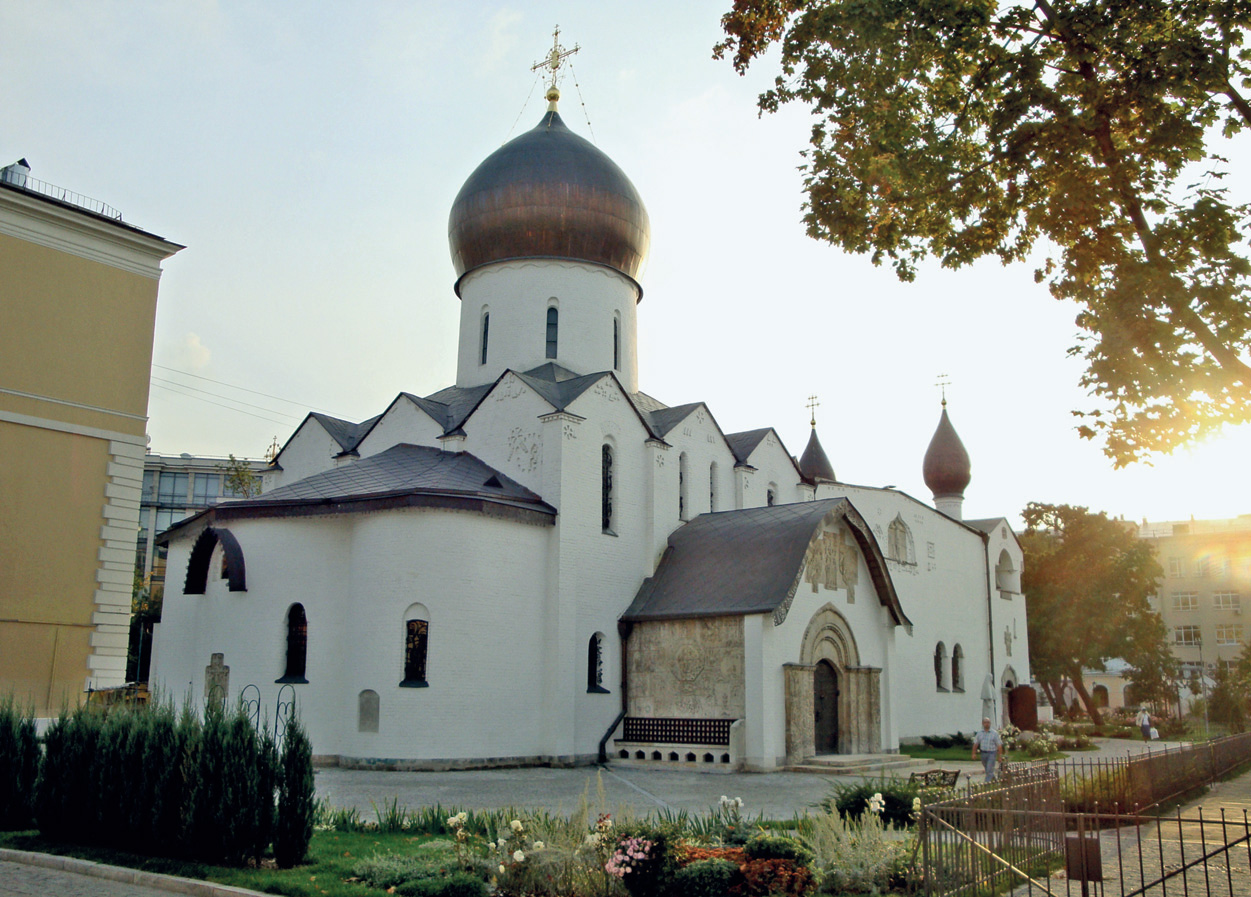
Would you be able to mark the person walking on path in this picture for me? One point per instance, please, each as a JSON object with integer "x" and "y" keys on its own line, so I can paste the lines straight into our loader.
{"x": 1144, "y": 723}
{"x": 989, "y": 745}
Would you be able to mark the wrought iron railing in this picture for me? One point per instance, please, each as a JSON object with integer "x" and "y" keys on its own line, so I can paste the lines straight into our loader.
{"x": 18, "y": 178}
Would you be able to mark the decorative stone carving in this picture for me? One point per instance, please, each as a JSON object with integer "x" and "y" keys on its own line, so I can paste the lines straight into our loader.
{"x": 606, "y": 391}
{"x": 832, "y": 563}
{"x": 509, "y": 388}
{"x": 523, "y": 450}
{"x": 1007, "y": 639}
{"x": 800, "y": 737}
{"x": 216, "y": 680}
{"x": 688, "y": 666}
{"x": 569, "y": 432}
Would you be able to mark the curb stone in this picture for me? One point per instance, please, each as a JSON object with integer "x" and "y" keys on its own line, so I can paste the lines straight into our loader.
{"x": 171, "y": 883}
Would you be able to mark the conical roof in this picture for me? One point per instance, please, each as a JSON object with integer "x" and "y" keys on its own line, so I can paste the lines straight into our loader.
{"x": 947, "y": 468}
{"x": 549, "y": 194}
{"x": 814, "y": 465}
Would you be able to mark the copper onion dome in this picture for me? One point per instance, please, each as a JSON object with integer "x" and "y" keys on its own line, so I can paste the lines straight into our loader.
{"x": 548, "y": 194}
{"x": 815, "y": 466}
{"x": 946, "y": 469}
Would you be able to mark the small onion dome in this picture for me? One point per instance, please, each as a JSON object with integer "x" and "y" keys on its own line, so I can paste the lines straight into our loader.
{"x": 548, "y": 194}
{"x": 947, "y": 469}
{"x": 814, "y": 466}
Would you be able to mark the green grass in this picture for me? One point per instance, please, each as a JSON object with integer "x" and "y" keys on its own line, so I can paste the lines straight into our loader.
{"x": 331, "y": 858}
{"x": 925, "y": 752}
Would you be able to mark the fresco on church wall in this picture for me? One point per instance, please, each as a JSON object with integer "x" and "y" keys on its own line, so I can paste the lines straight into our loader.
{"x": 832, "y": 562}
{"x": 687, "y": 668}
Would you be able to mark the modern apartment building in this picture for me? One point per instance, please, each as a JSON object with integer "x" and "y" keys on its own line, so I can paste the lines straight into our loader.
{"x": 78, "y": 288}
{"x": 1206, "y": 587}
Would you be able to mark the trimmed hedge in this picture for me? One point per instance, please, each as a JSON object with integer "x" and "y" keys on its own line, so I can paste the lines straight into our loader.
{"x": 168, "y": 784}
{"x": 19, "y": 765}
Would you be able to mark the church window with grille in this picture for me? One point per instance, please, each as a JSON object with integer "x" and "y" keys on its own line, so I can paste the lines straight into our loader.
{"x": 957, "y": 668}
{"x": 553, "y": 326}
{"x": 297, "y": 645}
{"x": 595, "y": 665}
{"x": 606, "y": 488}
{"x": 416, "y": 644}
{"x": 940, "y": 667}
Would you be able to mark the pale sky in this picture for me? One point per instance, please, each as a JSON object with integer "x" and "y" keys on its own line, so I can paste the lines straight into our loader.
{"x": 308, "y": 155}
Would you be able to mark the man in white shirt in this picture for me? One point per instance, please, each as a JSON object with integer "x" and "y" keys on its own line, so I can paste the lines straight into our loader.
{"x": 989, "y": 746}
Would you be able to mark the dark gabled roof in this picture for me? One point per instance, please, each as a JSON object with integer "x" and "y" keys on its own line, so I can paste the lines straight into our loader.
{"x": 344, "y": 432}
{"x": 750, "y": 561}
{"x": 743, "y": 444}
{"x": 988, "y": 525}
{"x": 665, "y": 419}
{"x": 559, "y": 391}
{"x": 402, "y": 476}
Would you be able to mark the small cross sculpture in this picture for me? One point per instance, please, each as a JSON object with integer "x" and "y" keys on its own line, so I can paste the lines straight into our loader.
{"x": 812, "y": 406}
{"x": 555, "y": 59}
{"x": 942, "y": 383}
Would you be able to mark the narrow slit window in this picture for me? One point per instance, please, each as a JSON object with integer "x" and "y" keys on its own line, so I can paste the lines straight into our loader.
{"x": 606, "y": 488}
{"x": 297, "y": 645}
{"x": 416, "y": 643}
{"x": 553, "y": 324}
{"x": 486, "y": 335}
{"x": 616, "y": 344}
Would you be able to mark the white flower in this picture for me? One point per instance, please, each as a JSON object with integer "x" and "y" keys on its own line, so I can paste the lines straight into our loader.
{"x": 876, "y": 803}
{"x": 462, "y": 817}
{"x": 501, "y": 868}
{"x": 518, "y": 856}
{"x": 453, "y": 822}
{"x": 538, "y": 845}
{"x": 516, "y": 825}
{"x": 501, "y": 842}
{"x": 592, "y": 840}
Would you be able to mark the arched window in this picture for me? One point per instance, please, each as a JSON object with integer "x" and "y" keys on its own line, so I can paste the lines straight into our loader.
{"x": 712, "y": 486}
{"x": 553, "y": 325}
{"x": 297, "y": 645}
{"x": 682, "y": 503}
{"x": 606, "y": 487}
{"x": 233, "y": 568}
{"x": 957, "y": 668}
{"x": 595, "y": 665}
{"x": 616, "y": 342}
{"x": 367, "y": 711}
{"x": 940, "y": 666}
{"x": 416, "y": 646}
{"x": 486, "y": 334}
{"x": 1007, "y": 578}
{"x": 1099, "y": 694}
{"x": 899, "y": 542}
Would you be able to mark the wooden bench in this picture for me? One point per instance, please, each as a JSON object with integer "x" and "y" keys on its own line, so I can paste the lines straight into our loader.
{"x": 935, "y": 778}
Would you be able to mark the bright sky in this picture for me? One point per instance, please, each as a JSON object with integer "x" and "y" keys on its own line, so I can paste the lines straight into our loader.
{"x": 308, "y": 155}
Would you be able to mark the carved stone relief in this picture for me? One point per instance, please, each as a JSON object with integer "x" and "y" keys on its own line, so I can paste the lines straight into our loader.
{"x": 606, "y": 391}
{"x": 1007, "y": 640}
{"x": 509, "y": 388}
{"x": 569, "y": 432}
{"x": 700, "y": 417}
{"x": 216, "y": 680}
{"x": 832, "y": 563}
{"x": 523, "y": 450}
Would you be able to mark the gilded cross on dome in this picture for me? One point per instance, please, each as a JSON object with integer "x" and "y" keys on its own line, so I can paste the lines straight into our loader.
{"x": 812, "y": 407}
{"x": 942, "y": 383}
{"x": 554, "y": 61}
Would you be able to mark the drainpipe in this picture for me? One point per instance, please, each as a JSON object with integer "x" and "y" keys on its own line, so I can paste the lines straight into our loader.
{"x": 623, "y": 632}
{"x": 990, "y": 621}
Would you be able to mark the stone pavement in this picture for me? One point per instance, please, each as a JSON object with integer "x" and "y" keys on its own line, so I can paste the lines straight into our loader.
{"x": 777, "y": 795}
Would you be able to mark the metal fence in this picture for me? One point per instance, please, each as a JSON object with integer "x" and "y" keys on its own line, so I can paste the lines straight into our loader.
{"x": 1077, "y": 826}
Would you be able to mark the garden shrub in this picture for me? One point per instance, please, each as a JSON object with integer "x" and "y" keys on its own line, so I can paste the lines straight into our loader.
{"x": 458, "y": 884}
{"x": 705, "y": 878}
{"x": 765, "y": 877}
{"x": 19, "y": 766}
{"x": 855, "y": 857}
{"x": 294, "y": 827}
{"x": 644, "y": 858}
{"x": 942, "y": 742}
{"x": 851, "y": 800}
{"x": 390, "y": 870}
{"x": 778, "y": 847}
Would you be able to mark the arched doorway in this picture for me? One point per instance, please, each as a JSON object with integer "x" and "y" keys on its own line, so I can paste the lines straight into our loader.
{"x": 825, "y": 707}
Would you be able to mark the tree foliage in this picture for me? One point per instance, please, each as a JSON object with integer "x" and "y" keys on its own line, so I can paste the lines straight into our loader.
{"x": 240, "y": 479}
{"x": 1086, "y": 580}
{"x": 1091, "y": 130}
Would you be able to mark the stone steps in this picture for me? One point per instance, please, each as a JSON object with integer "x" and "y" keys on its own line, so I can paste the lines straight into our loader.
{"x": 860, "y": 764}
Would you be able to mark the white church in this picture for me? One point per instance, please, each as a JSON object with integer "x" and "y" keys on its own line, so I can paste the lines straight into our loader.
{"x": 542, "y": 564}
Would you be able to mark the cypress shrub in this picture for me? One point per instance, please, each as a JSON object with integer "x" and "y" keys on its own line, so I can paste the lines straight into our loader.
{"x": 66, "y": 806}
{"x": 266, "y": 807}
{"x": 19, "y": 765}
{"x": 295, "y": 798}
{"x": 226, "y": 789}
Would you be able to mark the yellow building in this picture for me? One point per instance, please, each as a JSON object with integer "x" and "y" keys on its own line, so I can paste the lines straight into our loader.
{"x": 77, "y": 309}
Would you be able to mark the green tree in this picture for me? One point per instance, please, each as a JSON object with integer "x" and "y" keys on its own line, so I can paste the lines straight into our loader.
{"x": 1086, "y": 580}
{"x": 1091, "y": 130}
{"x": 240, "y": 479}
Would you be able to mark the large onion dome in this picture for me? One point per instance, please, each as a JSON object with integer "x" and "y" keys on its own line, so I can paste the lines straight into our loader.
{"x": 549, "y": 194}
{"x": 814, "y": 465}
{"x": 947, "y": 469}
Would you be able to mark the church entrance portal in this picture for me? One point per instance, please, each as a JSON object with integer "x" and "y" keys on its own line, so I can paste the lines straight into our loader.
{"x": 825, "y": 707}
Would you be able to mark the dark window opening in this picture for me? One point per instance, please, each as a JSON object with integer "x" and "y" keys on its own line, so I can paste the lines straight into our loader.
{"x": 553, "y": 317}
{"x": 606, "y": 489}
{"x": 416, "y": 642}
{"x": 770, "y": 498}
{"x": 297, "y": 645}
{"x": 616, "y": 344}
{"x": 486, "y": 332}
{"x": 595, "y": 665}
